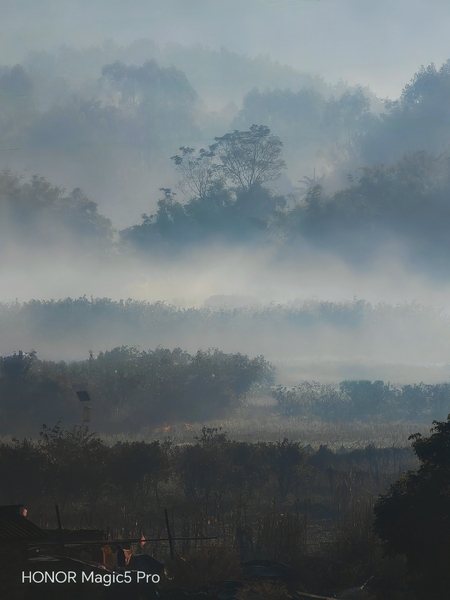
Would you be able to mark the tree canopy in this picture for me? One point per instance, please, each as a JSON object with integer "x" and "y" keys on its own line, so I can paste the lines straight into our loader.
{"x": 413, "y": 518}
{"x": 132, "y": 387}
{"x": 250, "y": 158}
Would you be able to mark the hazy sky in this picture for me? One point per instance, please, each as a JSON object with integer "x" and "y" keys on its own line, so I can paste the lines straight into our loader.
{"x": 378, "y": 43}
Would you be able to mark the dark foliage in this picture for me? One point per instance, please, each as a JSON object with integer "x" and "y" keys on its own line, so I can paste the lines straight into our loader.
{"x": 265, "y": 503}
{"x": 131, "y": 387}
{"x": 413, "y": 517}
{"x": 362, "y": 400}
{"x": 219, "y": 215}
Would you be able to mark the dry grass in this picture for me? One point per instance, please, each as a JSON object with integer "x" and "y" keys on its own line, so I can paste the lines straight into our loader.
{"x": 262, "y": 425}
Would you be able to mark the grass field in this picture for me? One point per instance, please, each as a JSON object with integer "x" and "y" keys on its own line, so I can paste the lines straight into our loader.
{"x": 258, "y": 423}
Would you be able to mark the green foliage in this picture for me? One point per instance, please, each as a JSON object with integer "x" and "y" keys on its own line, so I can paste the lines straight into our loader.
{"x": 136, "y": 113}
{"x": 156, "y": 104}
{"x": 247, "y": 159}
{"x": 21, "y": 467}
{"x": 17, "y": 105}
{"x": 122, "y": 374}
{"x": 366, "y": 398}
{"x": 15, "y": 83}
{"x": 311, "y": 399}
{"x": 17, "y": 365}
{"x": 136, "y": 469}
{"x": 413, "y": 517}
{"x": 219, "y": 214}
{"x": 405, "y": 200}
{"x": 205, "y": 466}
{"x": 287, "y": 460}
{"x": 147, "y": 106}
{"x": 380, "y": 203}
{"x": 32, "y": 391}
{"x": 310, "y": 125}
{"x": 129, "y": 385}
{"x": 148, "y": 84}
{"x": 227, "y": 74}
{"x": 350, "y": 113}
{"x": 77, "y": 123}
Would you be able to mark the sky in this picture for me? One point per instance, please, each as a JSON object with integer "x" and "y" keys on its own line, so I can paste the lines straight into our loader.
{"x": 376, "y": 43}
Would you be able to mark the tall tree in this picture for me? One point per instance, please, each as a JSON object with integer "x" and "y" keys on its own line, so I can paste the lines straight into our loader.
{"x": 199, "y": 173}
{"x": 250, "y": 158}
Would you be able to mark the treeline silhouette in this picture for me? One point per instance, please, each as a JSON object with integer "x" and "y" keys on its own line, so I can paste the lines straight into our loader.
{"x": 78, "y": 469}
{"x": 363, "y": 400}
{"x": 132, "y": 388}
{"x": 37, "y": 214}
{"x": 153, "y": 317}
{"x": 412, "y": 517}
{"x": 405, "y": 202}
{"x": 136, "y": 391}
{"x": 80, "y": 100}
{"x": 69, "y": 327}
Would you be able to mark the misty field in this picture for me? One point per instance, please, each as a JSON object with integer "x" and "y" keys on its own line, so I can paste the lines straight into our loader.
{"x": 261, "y": 425}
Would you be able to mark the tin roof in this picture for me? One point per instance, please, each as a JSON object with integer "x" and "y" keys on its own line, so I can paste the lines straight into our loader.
{"x": 16, "y": 528}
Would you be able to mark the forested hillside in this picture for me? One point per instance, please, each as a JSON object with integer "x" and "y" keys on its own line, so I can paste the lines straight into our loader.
{"x": 381, "y": 178}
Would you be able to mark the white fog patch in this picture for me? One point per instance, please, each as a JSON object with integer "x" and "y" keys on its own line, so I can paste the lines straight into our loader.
{"x": 198, "y": 274}
{"x": 404, "y": 336}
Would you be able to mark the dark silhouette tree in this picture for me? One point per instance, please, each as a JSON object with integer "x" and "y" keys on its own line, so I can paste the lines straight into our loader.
{"x": 413, "y": 518}
{"x": 17, "y": 365}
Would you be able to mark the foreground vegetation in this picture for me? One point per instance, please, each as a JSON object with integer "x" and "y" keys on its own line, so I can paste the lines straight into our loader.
{"x": 273, "y": 503}
{"x": 261, "y": 504}
{"x": 264, "y": 500}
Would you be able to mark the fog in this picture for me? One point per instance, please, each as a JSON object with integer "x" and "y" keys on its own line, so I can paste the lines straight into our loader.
{"x": 330, "y": 283}
{"x": 306, "y": 316}
{"x": 243, "y": 276}
{"x": 371, "y": 43}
